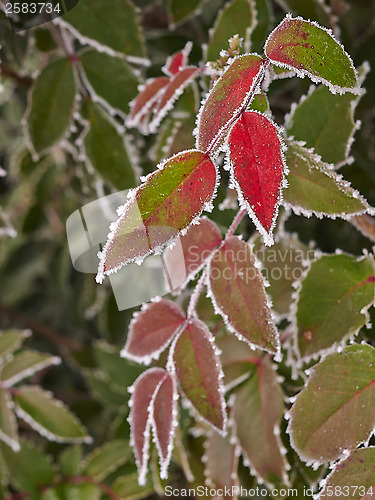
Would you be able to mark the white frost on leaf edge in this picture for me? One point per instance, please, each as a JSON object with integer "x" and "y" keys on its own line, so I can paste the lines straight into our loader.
{"x": 10, "y": 440}
{"x": 185, "y": 56}
{"x": 301, "y": 73}
{"x": 30, "y": 370}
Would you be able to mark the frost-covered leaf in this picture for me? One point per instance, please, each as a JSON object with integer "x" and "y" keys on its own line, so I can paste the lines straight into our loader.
{"x": 237, "y": 358}
{"x": 198, "y": 370}
{"x": 51, "y": 103}
{"x": 335, "y": 411}
{"x": 105, "y": 391}
{"x": 257, "y": 168}
{"x": 325, "y": 121}
{"x": 283, "y": 265}
{"x": 70, "y": 460}
{"x": 177, "y": 61}
{"x": 221, "y": 461}
{"x": 231, "y": 94}
{"x": 172, "y": 92}
{"x": 352, "y": 477}
{"x": 30, "y": 468}
{"x": 237, "y": 291}
{"x": 25, "y": 364}
{"x": 11, "y": 340}
{"x": 333, "y": 301}
{"x": 8, "y": 424}
{"x": 236, "y": 18}
{"x": 260, "y": 103}
{"x": 110, "y": 77}
{"x": 127, "y": 487}
{"x": 48, "y": 416}
{"x": 258, "y": 410}
{"x": 312, "y": 51}
{"x": 106, "y": 149}
{"x": 169, "y": 200}
{"x": 146, "y": 409}
{"x": 197, "y": 244}
{"x": 106, "y": 459}
{"x": 102, "y": 22}
{"x": 314, "y": 187}
{"x": 149, "y": 95}
{"x": 151, "y": 330}
{"x": 179, "y": 10}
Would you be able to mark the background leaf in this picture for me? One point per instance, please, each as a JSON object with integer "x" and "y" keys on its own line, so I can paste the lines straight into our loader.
{"x": 335, "y": 410}
{"x": 333, "y": 300}
{"x": 8, "y": 425}
{"x": 180, "y": 10}
{"x": 11, "y": 340}
{"x": 25, "y": 364}
{"x": 106, "y": 459}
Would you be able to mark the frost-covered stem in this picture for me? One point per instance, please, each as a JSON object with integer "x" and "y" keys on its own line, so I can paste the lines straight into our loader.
{"x": 196, "y": 293}
{"x": 235, "y": 223}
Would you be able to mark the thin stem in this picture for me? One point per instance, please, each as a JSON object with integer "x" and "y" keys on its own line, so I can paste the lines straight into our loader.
{"x": 235, "y": 223}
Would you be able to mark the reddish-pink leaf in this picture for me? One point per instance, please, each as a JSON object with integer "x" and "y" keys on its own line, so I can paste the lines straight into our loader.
{"x": 177, "y": 61}
{"x": 140, "y": 418}
{"x": 173, "y": 91}
{"x": 257, "y": 164}
{"x": 198, "y": 369}
{"x": 151, "y": 330}
{"x": 258, "y": 410}
{"x": 148, "y": 96}
{"x": 236, "y": 288}
{"x": 164, "y": 421}
{"x": 168, "y": 201}
{"x": 311, "y": 50}
{"x": 197, "y": 244}
{"x": 231, "y": 94}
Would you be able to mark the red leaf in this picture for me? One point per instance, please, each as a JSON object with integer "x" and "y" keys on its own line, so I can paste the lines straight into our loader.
{"x": 198, "y": 244}
{"x": 177, "y": 61}
{"x": 176, "y": 85}
{"x": 149, "y": 95}
{"x": 198, "y": 369}
{"x": 231, "y": 94}
{"x": 167, "y": 202}
{"x": 164, "y": 422}
{"x": 257, "y": 163}
{"x": 236, "y": 288}
{"x": 151, "y": 330}
{"x": 144, "y": 391}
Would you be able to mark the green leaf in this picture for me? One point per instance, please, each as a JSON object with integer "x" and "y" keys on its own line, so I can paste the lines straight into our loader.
{"x": 104, "y": 391}
{"x": 325, "y": 121}
{"x": 86, "y": 491}
{"x": 11, "y": 340}
{"x": 8, "y": 424}
{"x": 48, "y": 416}
{"x": 127, "y": 488}
{"x": 179, "y": 10}
{"x": 25, "y": 364}
{"x": 333, "y": 301}
{"x": 167, "y": 202}
{"x": 106, "y": 149}
{"x": 30, "y": 468}
{"x": 352, "y": 477}
{"x": 312, "y": 51}
{"x": 258, "y": 410}
{"x": 108, "y": 22}
{"x": 174, "y": 136}
{"x": 70, "y": 460}
{"x": 237, "y": 17}
{"x": 263, "y": 19}
{"x": 106, "y": 459}
{"x": 314, "y": 187}
{"x": 111, "y": 78}
{"x": 311, "y": 9}
{"x": 51, "y": 104}
{"x": 335, "y": 411}
{"x": 260, "y": 103}
{"x": 283, "y": 265}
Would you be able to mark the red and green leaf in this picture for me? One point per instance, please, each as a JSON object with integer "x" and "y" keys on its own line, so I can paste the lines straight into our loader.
{"x": 172, "y": 92}
{"x": 151, "y": 330}
{"x": 177, "y": 61}
{"x": 197, "y": 244}
{"x": 257, "y": 168}
{"x": 231, "y": 94}
{"x": 149, "y": 409}
{"x": 258, "y": 410}
{"x": 236, "y": 288}
{"x": 335, "y": 411}
{"x": 168, "y": 201}
{"x": 198, "y": 369}
{"x": 312, "y": 51}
